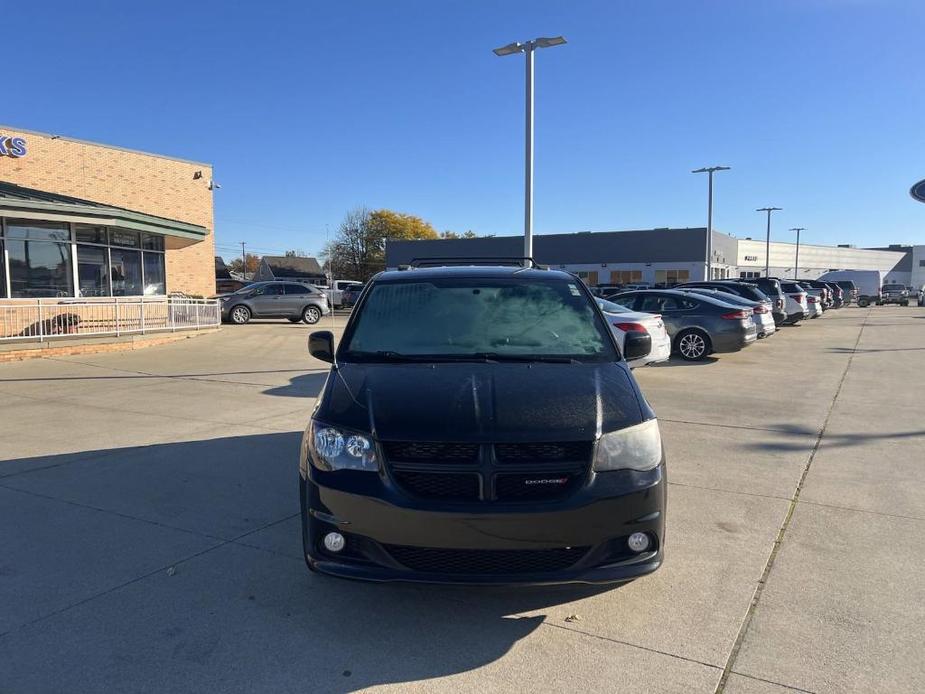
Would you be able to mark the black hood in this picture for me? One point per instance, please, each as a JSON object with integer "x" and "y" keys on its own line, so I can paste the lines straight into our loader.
{"x": 464, "y": 402}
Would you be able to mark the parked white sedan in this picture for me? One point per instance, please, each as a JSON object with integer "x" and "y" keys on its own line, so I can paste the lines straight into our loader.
{"x": 622, "y": 320}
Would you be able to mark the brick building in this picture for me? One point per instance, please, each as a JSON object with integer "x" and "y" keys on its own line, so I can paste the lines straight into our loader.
{"x": 79, "y": 219}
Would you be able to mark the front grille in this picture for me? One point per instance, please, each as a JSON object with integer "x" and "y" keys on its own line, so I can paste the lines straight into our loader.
{"x": 554, "y": 485}
{"x": 416, "y": 451}
{"x": 485, "y": 561}
{"x": 570, "y": 451}
{"x": 488, "y": 472}
{"x": 458, "y": 487}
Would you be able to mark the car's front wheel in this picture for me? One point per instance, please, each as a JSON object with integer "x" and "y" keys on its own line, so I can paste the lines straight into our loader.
{"x": 240, "y": 315}
{"x": 311, "y": 314}
{"x": 692, "y": 345}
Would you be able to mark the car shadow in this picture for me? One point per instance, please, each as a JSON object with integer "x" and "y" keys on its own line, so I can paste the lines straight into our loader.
{"x": 242, "y": 613}
{"x": 306, "y": 385}
{"x": 832, "y": 440}
{"x": 678, "y": 361}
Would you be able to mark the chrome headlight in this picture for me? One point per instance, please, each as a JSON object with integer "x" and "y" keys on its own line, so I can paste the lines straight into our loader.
{"x": 637, "y": 447}
{"x": 334, "y": 448}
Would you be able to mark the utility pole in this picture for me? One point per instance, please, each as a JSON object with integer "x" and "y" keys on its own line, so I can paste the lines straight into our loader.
{"x": 528, "y": 48}
{"x": 710, "y": 170}
{"x": 767, "y": 243}
{"x": 796, "y": 262}
{"x": 243, "y": 262}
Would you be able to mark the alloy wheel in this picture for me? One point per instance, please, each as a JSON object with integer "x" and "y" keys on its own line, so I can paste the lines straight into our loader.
{"x": 240, "y": 315}
{"x": 692, "y": 346}
{"x": 311, "y": 315}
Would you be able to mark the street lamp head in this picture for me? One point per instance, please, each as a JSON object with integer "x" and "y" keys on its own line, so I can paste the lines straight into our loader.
{"x": 518, "y": 47}
{"x": 711, "y": 169}
{"x": 549, "y": 41}
{"x": 509, "y": 49}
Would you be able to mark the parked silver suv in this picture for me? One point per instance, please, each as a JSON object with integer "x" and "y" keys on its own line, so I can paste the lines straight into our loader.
{"x": 290, "y": 300}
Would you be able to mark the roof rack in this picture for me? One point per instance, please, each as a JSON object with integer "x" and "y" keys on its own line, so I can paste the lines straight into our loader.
{"x": 485, "y": 260}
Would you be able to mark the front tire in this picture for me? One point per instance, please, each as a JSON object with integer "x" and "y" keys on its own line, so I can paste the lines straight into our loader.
{"x": 311, "y": 315}
{"x": 863, "y": 302}
{"x": 240, "y": 315}
{"x": 692, "y": 345}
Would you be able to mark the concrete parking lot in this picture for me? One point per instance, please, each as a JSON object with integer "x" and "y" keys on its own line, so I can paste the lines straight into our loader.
{"x": 151, "y": 535}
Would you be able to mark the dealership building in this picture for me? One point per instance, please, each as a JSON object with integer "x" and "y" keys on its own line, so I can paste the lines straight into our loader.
{"x": 669, "y": 256}
{"x": 81, "y": 220}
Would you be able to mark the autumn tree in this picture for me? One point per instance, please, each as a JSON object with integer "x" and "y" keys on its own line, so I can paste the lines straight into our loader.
{"x": 358, "y": 250}
{"x": 252, "y": 262}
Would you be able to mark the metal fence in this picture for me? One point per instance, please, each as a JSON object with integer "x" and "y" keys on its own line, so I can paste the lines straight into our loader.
{"x": 43, "y": 319}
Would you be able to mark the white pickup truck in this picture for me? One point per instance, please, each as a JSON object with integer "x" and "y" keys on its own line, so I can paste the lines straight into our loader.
{"x": 335, "y": 293}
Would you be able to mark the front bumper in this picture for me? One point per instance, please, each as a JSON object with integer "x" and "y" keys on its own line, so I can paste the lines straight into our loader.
{"x": 661, "y": 351}
{"x": 734, "y": 339}
{"x": 384, "y": 526}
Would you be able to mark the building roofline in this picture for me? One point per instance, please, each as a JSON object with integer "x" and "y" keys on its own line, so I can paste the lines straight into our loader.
{"x": 55, "y": 136}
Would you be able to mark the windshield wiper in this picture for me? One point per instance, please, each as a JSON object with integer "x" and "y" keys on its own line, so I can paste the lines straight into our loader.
{"x": 528, "y": 358}
{"x": 486, "y": 357}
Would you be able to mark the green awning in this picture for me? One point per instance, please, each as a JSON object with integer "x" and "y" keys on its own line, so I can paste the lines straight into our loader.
{"x": 27, "y": 203}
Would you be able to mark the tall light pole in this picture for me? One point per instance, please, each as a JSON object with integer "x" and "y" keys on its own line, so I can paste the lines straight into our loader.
{"x": 767, "y": 243}
{"x": 796, "y": 262}
{"x": 527, "y": 48}
{"x": 710, "y": 170}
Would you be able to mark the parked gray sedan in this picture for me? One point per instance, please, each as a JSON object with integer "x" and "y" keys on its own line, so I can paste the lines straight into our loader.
{"x": 290, "y": 300}
{"x": 698, "y": 324}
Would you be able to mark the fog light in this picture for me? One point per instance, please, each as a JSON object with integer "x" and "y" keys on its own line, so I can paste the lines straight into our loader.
{"x": 638, "y": 542}
{"x": 334, "y": 542}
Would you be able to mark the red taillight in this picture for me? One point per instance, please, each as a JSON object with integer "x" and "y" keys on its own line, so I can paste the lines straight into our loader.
{"x": 799, "y": 298}
{"x": 761, "y": 309}
{"x": 811, "y": 299}
{"x": 627, "y": 327}
{"x": 736, "y": 315}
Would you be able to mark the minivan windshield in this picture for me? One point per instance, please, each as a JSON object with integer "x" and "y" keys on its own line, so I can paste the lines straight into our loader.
{"x": 503, "y": 319}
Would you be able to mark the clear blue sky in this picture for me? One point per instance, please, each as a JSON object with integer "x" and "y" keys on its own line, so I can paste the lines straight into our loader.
{"x": 307, "y": 109}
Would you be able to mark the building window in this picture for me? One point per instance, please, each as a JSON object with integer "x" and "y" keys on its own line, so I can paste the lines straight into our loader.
{"x": 625, "y": 276}
{"x": 749, "y": 275}
{"x": 2, "y": 268}
{"x": 126, "y": 272}
{"x": 588, "y": 277}
{"x": 922, "y": 263}
{"x": 669, "y": 278}
{"x": 92, "y": 271}
{"x": 124, "y": 237}
{"x": 39, "y": 259}
{"x": 155, "y": 278}
{"x": 91, "y": 234}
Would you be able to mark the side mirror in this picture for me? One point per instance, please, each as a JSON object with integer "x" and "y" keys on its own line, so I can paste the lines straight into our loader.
{"x": 636, "y": 344}
{"x": 321, "y": 345}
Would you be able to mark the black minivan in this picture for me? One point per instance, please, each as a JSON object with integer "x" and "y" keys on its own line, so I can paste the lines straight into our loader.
{"x": 479, "y": 425}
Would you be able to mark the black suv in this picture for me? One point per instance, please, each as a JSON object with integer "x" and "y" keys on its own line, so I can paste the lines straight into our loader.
{"x": 479, "y": 425}
{"x": 772, "y": 288}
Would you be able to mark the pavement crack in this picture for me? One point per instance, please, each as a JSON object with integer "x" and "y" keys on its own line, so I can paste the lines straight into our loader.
{"x": 794, "y": 500}
{"x": 629, "y": 644}
{"x": 777, "y": 684}
{"x": 114, "y": 513}
{"x": 728, "y": 491}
